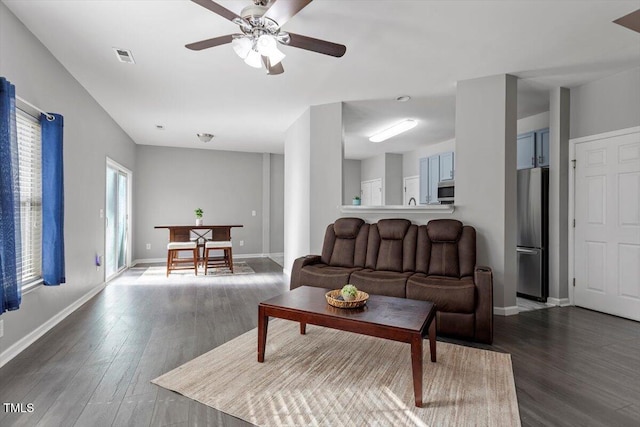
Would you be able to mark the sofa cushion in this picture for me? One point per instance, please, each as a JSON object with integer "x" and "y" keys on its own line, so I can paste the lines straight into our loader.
{"x": 325, "y": 276}
{"x": 391, "y": 245}
{"x": 444, "y": 230}
{"x": 345, "y": 243}
{"x": 347, "y": 228}
{"x": 388, "y": 283}
{"x": 446, "y": 248}
{"x": 449, "y": 294}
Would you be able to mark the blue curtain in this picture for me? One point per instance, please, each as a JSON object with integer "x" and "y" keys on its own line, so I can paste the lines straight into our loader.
{"x": 52, "y": 200}
{"x": 10, "y": 245}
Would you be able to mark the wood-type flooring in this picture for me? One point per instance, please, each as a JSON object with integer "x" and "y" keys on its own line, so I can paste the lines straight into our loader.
{"x": 572, "y": 367}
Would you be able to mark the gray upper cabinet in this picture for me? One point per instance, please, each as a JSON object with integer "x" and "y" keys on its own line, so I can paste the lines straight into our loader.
{"x": 542, "y": 148}
{"x": 446, "y": 166}
{"x": 527, "y": 150}
{"x": 533, "y": 149}
{"x": 434, "y": 169}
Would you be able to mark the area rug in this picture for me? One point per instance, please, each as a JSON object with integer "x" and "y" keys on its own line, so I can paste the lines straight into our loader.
{"x": 334, "y": 378}
{"x": 159, "y": 273}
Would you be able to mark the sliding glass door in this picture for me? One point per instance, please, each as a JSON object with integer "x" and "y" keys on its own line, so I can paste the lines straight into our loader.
{"x": 117, "y": 220}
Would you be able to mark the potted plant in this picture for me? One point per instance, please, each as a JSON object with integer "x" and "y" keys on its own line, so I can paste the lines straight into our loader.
{"x": 356, "y": 201}
{"x": 199, "y": 213}
{"x": 349, "y": 292}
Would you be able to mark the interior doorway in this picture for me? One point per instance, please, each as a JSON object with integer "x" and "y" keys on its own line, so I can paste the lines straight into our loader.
{"x": 117, "y": 219}
{"x": 372, "y": 192}
{"x": 607, "y": 223}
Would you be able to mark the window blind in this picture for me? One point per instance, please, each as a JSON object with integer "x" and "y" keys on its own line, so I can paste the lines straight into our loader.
{"x": 30, "y": 159}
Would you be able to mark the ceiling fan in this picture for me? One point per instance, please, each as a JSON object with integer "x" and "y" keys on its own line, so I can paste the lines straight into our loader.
{"x": 261, "y": 26}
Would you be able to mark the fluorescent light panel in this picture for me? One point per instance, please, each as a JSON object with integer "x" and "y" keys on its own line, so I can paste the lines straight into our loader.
{"x": 394, "y": 130}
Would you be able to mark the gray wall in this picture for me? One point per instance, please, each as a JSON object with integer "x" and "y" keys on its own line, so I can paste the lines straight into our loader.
{"x": 372, "y": 168}
{"x": 351, "y": 171}
{"x": 486, "y": 176}
{"x": 535, "y": 122}
{"x": 313, "y": 182}
{"x": 276, "y": 223}
{"x": 605, "y": 105}
{"x": 171, "y": 182}
{"x": 90, "y": 135}
{"x": 326, "y": 160}
{"x": 393, "y": 179}
{"x": 297, "y": 188}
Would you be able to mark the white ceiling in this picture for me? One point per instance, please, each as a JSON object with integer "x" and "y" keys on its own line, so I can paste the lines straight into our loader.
{"x": 394, "y": 47}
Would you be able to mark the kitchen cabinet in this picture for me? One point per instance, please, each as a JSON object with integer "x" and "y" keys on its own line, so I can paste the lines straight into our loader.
{"x": 446, "y": 166}
{"x": 533, "y": 149}
{"x": 434, "y": 169}
{"x": 542, "y": 148}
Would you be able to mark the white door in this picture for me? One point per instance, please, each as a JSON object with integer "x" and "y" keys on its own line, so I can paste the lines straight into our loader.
{"x": 411, "y": 190}
{"x": 607, "y": 234}
{"x": 376, "y": 192}
{"x": 371, "y": 192}
{"x": 117, "y": 220}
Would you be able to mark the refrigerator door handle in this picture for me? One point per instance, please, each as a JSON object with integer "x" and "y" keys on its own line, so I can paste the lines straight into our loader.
{"x": 527, "y": 251}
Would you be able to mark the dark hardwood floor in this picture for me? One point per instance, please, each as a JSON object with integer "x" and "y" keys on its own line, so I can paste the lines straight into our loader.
{"x": 573, "y": 367}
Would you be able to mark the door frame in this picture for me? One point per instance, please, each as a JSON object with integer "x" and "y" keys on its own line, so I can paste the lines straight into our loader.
{"x": 115, "y": 165}
{"x": 572, "y": 195}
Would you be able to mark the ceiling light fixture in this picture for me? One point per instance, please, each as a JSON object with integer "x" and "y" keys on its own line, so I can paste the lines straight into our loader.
{"x": 403, "y": 98}
{"x": 394, "y": 130}
{"x": 252, "y": 47}
{"x": 205, "y": 137}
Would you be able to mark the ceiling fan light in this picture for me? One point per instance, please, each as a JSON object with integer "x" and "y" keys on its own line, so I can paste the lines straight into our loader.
{"x": 241, "y": 46}
{"x": 254, "y": 59}
{"x": 394, "y": 130}
{"x": 266, "y": 44}
{"x": 276, "y": 56}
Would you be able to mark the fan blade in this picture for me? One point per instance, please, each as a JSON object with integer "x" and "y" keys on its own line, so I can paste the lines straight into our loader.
{"x": 216, "y": 8}
{"x": 317, "y": 45}
{"x": 272, "y": 70}
{"x": 205, "y": 44}
{"x": 283, "y": 10}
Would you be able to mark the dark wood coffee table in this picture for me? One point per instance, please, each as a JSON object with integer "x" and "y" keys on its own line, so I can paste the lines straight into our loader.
{"x": 396, "y": 319}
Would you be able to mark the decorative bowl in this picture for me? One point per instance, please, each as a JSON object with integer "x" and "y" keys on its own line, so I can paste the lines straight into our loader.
{"x": 335, "y": 299}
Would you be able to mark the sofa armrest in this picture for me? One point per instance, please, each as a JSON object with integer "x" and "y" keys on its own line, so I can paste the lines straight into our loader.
{"x": 483, "y": 278}
{"x": 298, "y": 264}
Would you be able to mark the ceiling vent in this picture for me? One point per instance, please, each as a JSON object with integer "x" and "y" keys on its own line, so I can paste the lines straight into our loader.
{"x": 124, "y": 55}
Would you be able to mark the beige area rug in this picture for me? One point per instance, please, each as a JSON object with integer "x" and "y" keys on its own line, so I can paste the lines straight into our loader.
{"x": 158, "y": 274}
{"x": 334, "y": 378}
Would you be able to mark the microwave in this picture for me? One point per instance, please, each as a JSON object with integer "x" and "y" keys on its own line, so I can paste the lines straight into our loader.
{"x": 446, "y": 190}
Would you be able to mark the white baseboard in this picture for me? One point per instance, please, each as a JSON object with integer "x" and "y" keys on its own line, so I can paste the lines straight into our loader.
{"x": 240, "y": 256}
{"x": 30, "y": 338}
{"x": 506, "y": 311}
{"x": 154, "y": 260}
{"x": 562, "y": 302}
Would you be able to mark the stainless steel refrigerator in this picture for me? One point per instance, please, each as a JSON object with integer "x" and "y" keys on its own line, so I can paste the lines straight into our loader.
{"x": 533, "y": 233}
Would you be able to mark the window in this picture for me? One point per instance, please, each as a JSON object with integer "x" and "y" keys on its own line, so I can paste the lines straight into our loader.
{"x": 29, "y": 152}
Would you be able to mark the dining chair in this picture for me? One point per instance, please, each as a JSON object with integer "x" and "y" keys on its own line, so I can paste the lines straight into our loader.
{"x": 226, "y": 260}
{"x": 175, "y": 262}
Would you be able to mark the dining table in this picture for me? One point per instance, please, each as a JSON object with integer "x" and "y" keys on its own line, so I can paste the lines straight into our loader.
{"x": 202, "y": 233}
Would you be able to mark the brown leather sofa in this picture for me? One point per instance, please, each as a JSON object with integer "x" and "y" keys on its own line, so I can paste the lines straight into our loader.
{"x": 434, "y": 262}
